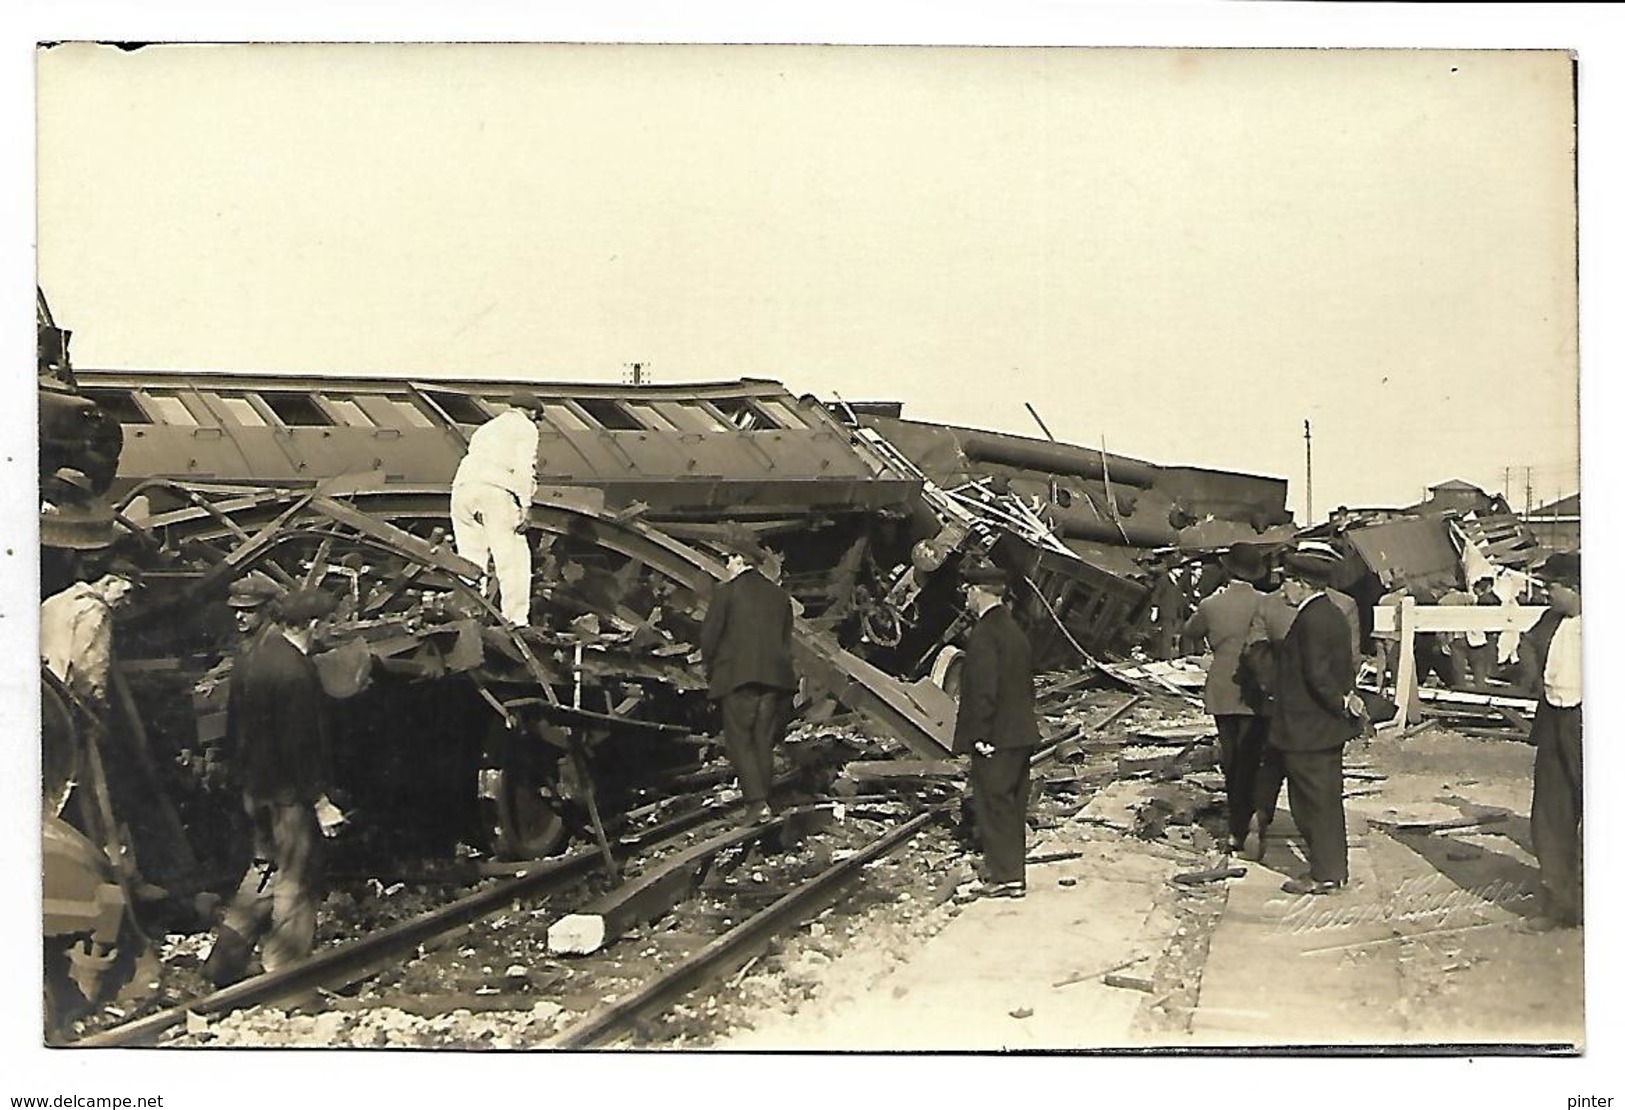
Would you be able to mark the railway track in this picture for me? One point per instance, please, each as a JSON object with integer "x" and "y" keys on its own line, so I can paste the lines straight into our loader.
{"x": 667, "y": 859}
{"x": 696, "y": 933}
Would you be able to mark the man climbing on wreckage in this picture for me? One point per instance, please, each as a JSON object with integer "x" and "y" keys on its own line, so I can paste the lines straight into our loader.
{"x": 997, "y": 727}
{"x": 490, "y": 497}
{"x": 277, "y": 732}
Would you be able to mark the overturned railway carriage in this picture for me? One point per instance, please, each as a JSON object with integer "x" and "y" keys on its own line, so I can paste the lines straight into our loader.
{"x": 346, "y": 483}
{"x": 454, "y": 727}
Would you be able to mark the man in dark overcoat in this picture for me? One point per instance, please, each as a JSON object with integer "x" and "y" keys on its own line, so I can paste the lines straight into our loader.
{"x": 998, "y": 728}
{"x": 745, "y": 644}
{"x": 1314, "y": 716}
{"x": 1223, "y": 619}
{"x": 277, "y": 729}
{"x": 1555, "y": 811}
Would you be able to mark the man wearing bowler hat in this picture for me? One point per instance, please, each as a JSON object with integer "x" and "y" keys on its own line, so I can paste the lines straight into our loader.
{"x": 1223, "y": 619}
{"x": 1315, "y": 714}
{"x": 490, "y": 498}
{"x": 745, "y": 643}
{"x": 997, "y": 727}
{"x": 1555, "y": 811}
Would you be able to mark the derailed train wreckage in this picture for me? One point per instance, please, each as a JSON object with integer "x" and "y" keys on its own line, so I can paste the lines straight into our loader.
{"x": 454, "y": 727}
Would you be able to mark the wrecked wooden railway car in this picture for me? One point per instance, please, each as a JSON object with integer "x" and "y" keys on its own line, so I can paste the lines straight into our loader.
{"x": 459, "y": 728}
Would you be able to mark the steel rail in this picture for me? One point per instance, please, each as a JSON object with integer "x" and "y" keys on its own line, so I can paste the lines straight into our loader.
{"x": 357, "y": 959}
{"x": 734, "y": 947}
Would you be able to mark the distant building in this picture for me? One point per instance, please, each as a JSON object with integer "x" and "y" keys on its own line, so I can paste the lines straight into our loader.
{"x": 1557, "y": 526}
{"x": 1460, "y": 497}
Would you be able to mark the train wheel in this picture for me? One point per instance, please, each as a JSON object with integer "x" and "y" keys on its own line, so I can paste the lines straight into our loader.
{"x": 945, "y": 669}
{"x": 527, "y": 824}
{"x": 519, "y": 797}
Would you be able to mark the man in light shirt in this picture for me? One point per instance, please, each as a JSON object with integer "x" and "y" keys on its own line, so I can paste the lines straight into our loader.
{"x": 76, "y": 632}
{"x": 490, "y": 499}
{"x": 1555, "y": 812}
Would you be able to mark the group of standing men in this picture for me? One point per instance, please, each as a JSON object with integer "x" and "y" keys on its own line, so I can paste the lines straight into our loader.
{"x": 1281, "y": 688}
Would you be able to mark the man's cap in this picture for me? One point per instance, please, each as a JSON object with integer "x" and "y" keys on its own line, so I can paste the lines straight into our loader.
{"x": 1313, "y": 559}
{"x": 525, "y": 400}
{"x": 984, "y": 574}
{"x": 1244, "y": 561}
{"x": 1562, "y": 567}
{"x": 254, "y": 589}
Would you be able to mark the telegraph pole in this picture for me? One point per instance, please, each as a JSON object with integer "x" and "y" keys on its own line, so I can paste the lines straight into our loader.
{"x": 1308, "y": 476}
{"x": 635, "y": 373}
{"x": 1528, "y": 492}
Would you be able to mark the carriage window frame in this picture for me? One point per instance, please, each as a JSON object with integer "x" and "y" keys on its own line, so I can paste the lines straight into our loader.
{"x": 295, "y": 408}
{"x": 123, "y": 405}
{"x": 609, "y": 414}
{"x": 171, "y": 409}
{"x": 239, "y": 409}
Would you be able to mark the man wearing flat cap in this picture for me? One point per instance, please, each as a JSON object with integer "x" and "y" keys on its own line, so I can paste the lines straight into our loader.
{"x": 745, "y": 644}
{"x": 1315, "y": 714}
{"x": 1555, "y": 811}
{"x": 998, "y": 728}
{"x": 491, "y": 495}
{"x": 1223, "y": 619}
{"x": 277, "y": 737}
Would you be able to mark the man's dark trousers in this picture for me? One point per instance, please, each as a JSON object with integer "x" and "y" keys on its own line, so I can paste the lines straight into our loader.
{"x": 1241, "y": 748}
{"x": 752, "y": 718}
{"x": 1267, "y": 784}
{"x": 1000, "y": 784}
{"x": 1314, "y": 790}
{"x": 1556, "y": 809}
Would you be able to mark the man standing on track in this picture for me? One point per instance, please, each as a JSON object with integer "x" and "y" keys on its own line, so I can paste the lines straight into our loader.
{"x": 745, "y": 643}
{"x": 998, "y": 728}
{"x": 276, "y": 723}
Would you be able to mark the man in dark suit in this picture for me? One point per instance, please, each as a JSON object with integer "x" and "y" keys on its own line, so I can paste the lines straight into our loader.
{"x": 745, "y": 643}
{"x": 1314, "y": 716}
{"x": 997, "y": 727}
{"x": 1555, "y": 811}
{"x": 276, "y": 723}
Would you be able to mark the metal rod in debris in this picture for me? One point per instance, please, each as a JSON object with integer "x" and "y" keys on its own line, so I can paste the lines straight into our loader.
{"x": 1044, "y": 427}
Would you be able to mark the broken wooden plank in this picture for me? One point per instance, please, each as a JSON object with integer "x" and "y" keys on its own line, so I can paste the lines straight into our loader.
{"x": 644, "y": 898}
{"x": 1129, "y": 982}
{"x": 1210, "y": 875}
{"x": 870, "y": 770}
{"x": 1084, "y": 977}
{"x": 1439, "y": 824}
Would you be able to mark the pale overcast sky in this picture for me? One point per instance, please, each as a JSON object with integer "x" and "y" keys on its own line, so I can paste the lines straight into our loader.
{"x": 1184, "y": 252}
